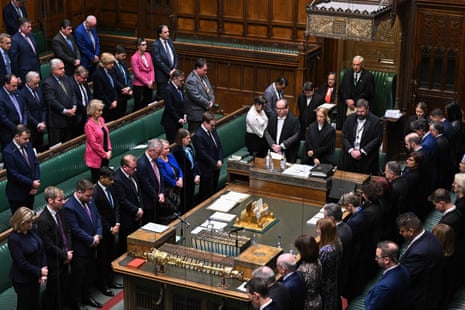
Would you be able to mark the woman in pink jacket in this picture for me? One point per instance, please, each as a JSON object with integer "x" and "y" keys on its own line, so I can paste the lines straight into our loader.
{"x": 98, "y": 144}
{"x": 144, "y": 75}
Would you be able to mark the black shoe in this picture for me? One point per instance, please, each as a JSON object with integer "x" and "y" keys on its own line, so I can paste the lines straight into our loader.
{"x": 92, "y": 302}
{"x": 106, "y": 291}
{"x": 116, "y": 285}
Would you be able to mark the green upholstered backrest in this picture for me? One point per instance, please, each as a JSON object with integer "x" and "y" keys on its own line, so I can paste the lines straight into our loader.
{"x": 5, "y": 264}
{"x": 232, "y": 135}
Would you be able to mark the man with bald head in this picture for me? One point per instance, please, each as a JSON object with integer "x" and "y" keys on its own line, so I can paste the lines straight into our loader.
{"x": 292, "y": 279}
{"x": 277, "y": 291}
{"x": 89, "y": 43}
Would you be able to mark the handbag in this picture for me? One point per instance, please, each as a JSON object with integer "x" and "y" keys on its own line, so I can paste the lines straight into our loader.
{"x": 173, "y": 194}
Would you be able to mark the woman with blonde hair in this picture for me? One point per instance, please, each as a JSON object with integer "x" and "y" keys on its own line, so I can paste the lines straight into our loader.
{"x": 29, "y": 268}
{"x": 98, "y": 144}
{"x": 106, "y": 86}
{"x": 458, "y": 186}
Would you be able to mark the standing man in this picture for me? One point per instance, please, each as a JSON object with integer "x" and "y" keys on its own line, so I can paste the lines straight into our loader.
{"x": 86, "y": 230}
{"x": 357, "y": 83}
{"x": 12, "y": 109}
{"x": 209, "y": 155}
{"x": 328, "y": 91}
{"x": 259, "y": 295}
{"x": 65, "y": 48}
{"x": 23, "y": 170}
{"x": 174, "y": 115}
{"x": 151, "y": 183}
{"x": 292, "y": 279}
{"x": 83, "y": 97}
{"x": 361, "y": 136}
{"x": 55, "y": 232}
{"x": 165, "y": 59}
{"x": 282, "y": 134}
{"x": 273, "y": 93}
{"x": 390, "y": 292}
{"x": 127, "y": 191}
{"x": 5, "y": 62}
{"x": 60, "y": 98}
{"x": 31, "y": 95}
{"x": 89, "y": 43}
{"x": 200, "y": 96}
{"x": 107, "y": 206}
{"x": 24, "y": 52}
{"x": 123, "y": 80}
{"x": 307, "y": 102}
{"x": 423, "y": 261}
{"x": 277, "y": 291}
{"x": 12, "y": 12}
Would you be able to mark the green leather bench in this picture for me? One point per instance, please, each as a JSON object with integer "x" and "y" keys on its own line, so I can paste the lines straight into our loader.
{"x": 7, "y": 293}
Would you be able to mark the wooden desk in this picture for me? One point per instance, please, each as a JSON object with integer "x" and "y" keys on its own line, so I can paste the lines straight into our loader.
{"x": 357, "y": 178}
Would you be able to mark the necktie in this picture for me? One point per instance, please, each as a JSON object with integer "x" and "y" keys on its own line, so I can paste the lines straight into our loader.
{"x": 88, "y": 212}
{"x": 17, "y": 108}
{"x": 24, "y": 153}
{"x": 190, "y": 156}
{"x": 133, "y": 181}
{"x": 70, "y": 43}
{"x": 62, "y": 85}
{"x": 84, "y": 97}
{"x": 92, "y": 39}
{"x": 211, "y": 137}
{"x": 356, "y": 78}
{"x": 157, "y": 172}
{"x": 28, "y": 39}
{"x": 110, "y": 199}
{"x": 7, "y": 62}
{"x": 19, "y": 12}
{"x": 35, "y": 95}
{"x": 170, "y": 54}
{"x": 121, "y": 69}
{"x": 329, "y": 92}
{"x": 180, "y": 94}
{"x": 205, "y": 85}
{"x": 62, "y": 232}
{"x": 110, "y": 78}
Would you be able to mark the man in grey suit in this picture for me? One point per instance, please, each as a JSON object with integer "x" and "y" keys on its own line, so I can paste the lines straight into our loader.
{"x": 65, "y": 48}
{"x": 273, "y": 93}
{"x": 200, "y": 96}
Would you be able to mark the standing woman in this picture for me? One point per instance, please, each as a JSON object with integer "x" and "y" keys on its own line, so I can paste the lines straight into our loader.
{"x": 256, "y": 123}
{"x": 144, "y": 75}
{"x": 172, "y": 178}
{"x": 320, "y": 140}
{"x": 98, "y": 144}
{"x": 311, "y": 270}
{"x": 420, "y": 113}
{"x": 184, "y": 154}
{"x": 29, "y": 268}
{"x": 330, "y": 256}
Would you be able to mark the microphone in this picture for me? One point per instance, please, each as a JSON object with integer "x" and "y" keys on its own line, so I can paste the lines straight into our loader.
{"x": 235, "y": 230}
{"x": 182, "y": 219}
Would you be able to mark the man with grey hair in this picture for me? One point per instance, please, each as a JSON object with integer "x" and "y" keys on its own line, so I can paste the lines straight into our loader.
{"x": 5, "y": 62}
{"x": 151, "y": 183}
{"x": 88, "y": 42}
{"x": 32, "y": 97}
{"x": 60, "y": 99}
{"x": 390, "y": 292}
{"x": 292, "y": 279}
{"x": 277, "y": 291}
{"x": 398, "y": 196}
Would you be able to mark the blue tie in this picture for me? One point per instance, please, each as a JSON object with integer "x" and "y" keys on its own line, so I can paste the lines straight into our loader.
{"x": 120, "y": 66}
{"x": 68, "y": 40}
{"x": 110, "y": 78}
{"x": 191, "y": 158}
{"x": 7, "y": 62}
{"x": 110, "y": 199}
{"x": 16, "y": 104}
{"x": 180, "y": 94}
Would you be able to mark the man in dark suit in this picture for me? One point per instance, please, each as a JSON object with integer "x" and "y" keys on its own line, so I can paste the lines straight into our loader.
{"x": 328, "y": 91}
{"x": 24, "y": 52}
{"x": 89, "y": 43}
{"x": 307, "y": 102}
{"x": 108, "y": 208}
{"x": 199, "y": 95}
{"x": 127, "y": 190}
{"x": 5, "y": 62}
{"x": 277, "y": 291}
{"x": 151, "y": 183}
{"x": 86, "y": 230}
{"x": 123, "y": 80}
{"x": 209, "y": 155}
{"x": 60, "y": 98}
{"x": 445, "y": 162}
{"x": 282, "y": 134}
{"x": 361, "y": 136}
{"x": 292, "y": 279}
{"x": 55, "y": 232}
{"x": 390, "y": 291}
{"x": 31, "y": 95}
{"x": 273, "y": 93}
{"x": 260, "y": 297}
{"x": 83, "y": 96}
{"x": 12, "y": 12}
{"x": 423, "y": 261}
{"x": 357, "y": 83}
{"x": 164, "y": 58}
{"x": 23, "y": 170}
{"x": 65, "y": 48}
{"x": 12, "y": 109}
{"x": 174, "y": 115}
{"x": 394, "y": 202}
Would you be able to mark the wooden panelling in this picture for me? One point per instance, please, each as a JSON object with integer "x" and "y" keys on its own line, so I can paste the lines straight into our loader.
{"x": 283, "y": 10}
{"x": 282, "y": 33}
{"x": 208, "y": 26}
{"x": 234, "y": 28}
{"x": 258, "y": 31}
{"x": 233, "y": 8}
{"x": 258, "y": 10}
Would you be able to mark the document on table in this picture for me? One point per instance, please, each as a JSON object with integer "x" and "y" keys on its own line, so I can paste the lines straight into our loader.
{"x": 235, "y": 196}
{"x": 298, "y": 170}
{"x": 157, "y": 228}
{"x": 223, "y": 217}
{"x": 222, "y": 205}
{"x": 316, "y": 217}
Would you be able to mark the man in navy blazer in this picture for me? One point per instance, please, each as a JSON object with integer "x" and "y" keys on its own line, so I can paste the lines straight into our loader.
{"x": 12, "y": 109}
{"x": 127, "y": 190}
{"x": 5, "y": 61}
{"x": 89, "y": 43}
{"x": 12, "y": 12}
{"x": 86, "y": 230}
{"x": 65, "y": 48}
{"x": 23, "y": 170}
{"x": 164, "y": 58}
{"x": 33, "y": 99}
{"x": 24, "y": 52}
{"x": 292, "y": 279}
{"x": 123, "y": 80}
{"x": 390, "y": 291}
{"x": 174, "y": 115}
{"x": 209, "y": 155}
{"x": 423, "y": 261}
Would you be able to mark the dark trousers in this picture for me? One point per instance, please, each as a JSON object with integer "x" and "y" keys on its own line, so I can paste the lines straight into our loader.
{"x": 105, "y": 254}
{"x": 161, "y": 89}
{"x": 56, "y": 135}
{"x": 122, "y": 106}
{"x": 57, "y": 287}
{"x": 142, "y": 97}
{"x": 171, "y": 134}
{"x": 82, "y": 272}
{"x": 193, "y": 125}
{"x": 28, "y": 295}
{"x": 26, "y": 202}
{"x": 208, "y": 185}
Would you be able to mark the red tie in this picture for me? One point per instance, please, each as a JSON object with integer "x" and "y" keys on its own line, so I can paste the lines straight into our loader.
{"x": 329, "y": 92}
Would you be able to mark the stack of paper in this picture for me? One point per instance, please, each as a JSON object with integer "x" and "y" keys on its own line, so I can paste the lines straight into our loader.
{"x": 157, "y": 228}
{"x": 316, "y": 217}
{"x": 298, "y": 170}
